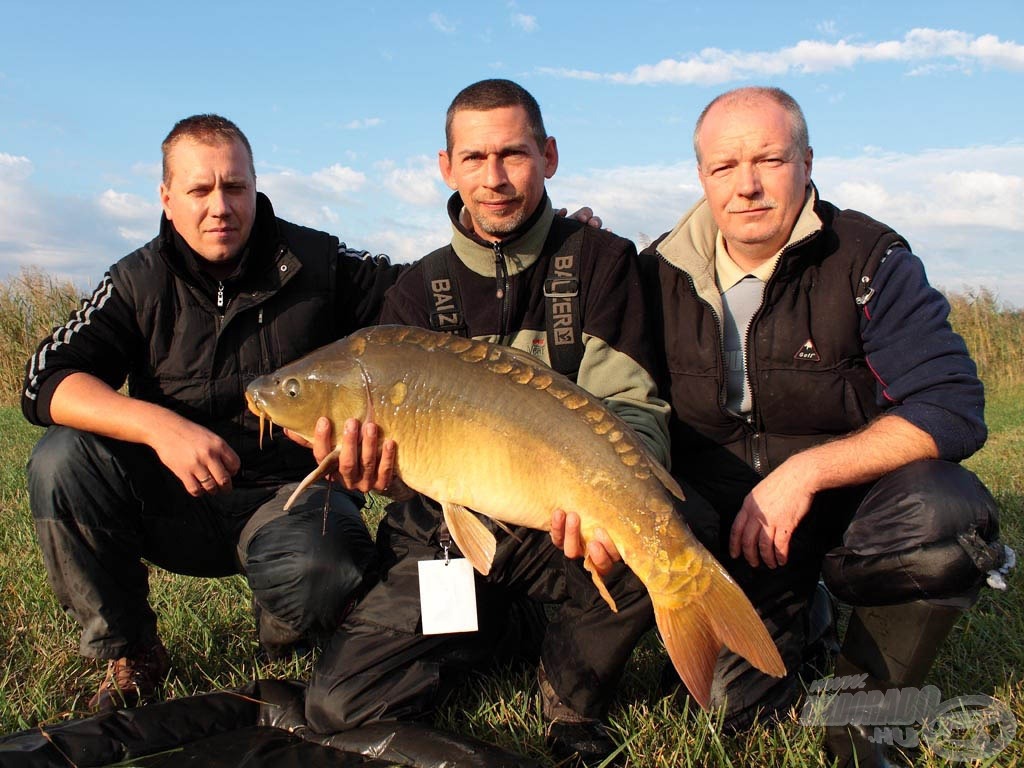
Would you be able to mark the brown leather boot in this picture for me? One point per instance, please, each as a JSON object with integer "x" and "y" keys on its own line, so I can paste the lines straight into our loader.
{"x": 132, "y": 680}
{"x": 575, "y": 740}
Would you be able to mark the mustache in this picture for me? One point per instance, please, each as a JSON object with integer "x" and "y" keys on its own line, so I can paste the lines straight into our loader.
{"x": 753, "y": 205}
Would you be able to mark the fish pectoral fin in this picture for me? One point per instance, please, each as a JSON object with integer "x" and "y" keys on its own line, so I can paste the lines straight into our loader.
{"x": 325, "y": 466}
{"x": 473, "y": 537}
{"x": 588, "y": 564}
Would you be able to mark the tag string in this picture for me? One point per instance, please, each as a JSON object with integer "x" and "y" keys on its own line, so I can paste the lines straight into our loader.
{"x": 446, "y": 542}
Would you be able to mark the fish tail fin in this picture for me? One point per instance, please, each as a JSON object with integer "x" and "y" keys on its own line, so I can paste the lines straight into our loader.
{"x": 695, "y": 632}
{"x": 691, "y": 645}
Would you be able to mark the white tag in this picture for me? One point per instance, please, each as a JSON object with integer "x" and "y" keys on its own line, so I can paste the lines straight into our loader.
{"x": 447, "y": 596}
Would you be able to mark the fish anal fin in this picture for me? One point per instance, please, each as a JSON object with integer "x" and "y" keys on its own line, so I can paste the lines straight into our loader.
{"x": 330, "y": 461}
{"x": 588, "y": 564}
{"x": 473, "y": 537}
{"x": 737, "y": 624}
{"x": 691, "y": 645}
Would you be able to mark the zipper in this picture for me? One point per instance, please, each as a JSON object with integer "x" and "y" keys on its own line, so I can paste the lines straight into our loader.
{"x": 220, "y": 296}
{"x": 501, "y": 288}
{"x": 750, "y": 422}
{"x": 260, "y": 331}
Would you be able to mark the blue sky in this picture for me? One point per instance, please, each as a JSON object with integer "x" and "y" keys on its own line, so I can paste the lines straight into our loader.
{"x": 915, "y": 113}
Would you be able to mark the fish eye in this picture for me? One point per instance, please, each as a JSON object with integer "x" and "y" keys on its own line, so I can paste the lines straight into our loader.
{"x": 291, "y": 387}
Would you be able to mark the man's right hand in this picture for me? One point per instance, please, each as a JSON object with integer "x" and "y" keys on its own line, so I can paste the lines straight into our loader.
{"x": 200, "y": 459}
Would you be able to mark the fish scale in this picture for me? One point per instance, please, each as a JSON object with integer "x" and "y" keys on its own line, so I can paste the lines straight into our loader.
{"x": 490, "y": 430}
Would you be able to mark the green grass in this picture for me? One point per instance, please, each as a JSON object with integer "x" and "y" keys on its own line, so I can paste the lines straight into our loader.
{"x": 208, "y": 627}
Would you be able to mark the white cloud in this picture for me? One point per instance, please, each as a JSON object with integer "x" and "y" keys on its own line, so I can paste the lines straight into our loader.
{"x": 69, "y": 237}
{"x": 366, "y": 122}
{"x": 339, "y": 179}
{"x": 441, "y": 24}
{"x": 313, "y": 199}
{"x": 123, "y": 205}
{"x": 828, "y": 28}
{"x": 922, "y": 46}
{"x": 968, "y": 187}
{"x": 14, "y": 167}
{"x": 525, "y": 22}
{"x": 418, "y": 183}
{"x": 404, "y": 242}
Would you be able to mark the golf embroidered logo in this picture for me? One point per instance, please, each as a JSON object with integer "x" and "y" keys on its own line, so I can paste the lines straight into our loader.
{"x": 961, "y": 729}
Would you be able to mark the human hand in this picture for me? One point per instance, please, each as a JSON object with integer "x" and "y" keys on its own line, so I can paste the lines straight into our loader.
{"x": 364, "y": 463}
{"x": 584, "y": 215}
{"x": 770, "y": 514}
{"x": 200, "y": 459}
{"x": 565, "y": 534}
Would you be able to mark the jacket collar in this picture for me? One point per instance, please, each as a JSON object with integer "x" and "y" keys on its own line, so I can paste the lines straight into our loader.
{"x": 690, "y": 246}
{"x": 521, "y": 248}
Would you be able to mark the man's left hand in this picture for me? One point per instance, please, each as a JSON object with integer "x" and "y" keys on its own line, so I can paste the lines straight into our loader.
{"x": 770, "y": 513}
{"x": 584, "y": 215}
{"x": 364, "y": 463}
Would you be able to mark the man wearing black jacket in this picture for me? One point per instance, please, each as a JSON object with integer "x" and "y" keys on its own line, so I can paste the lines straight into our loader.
{"x": 821, "y": 402}
{"x": 173, "y": 473}
{"x": 506, "y": 240}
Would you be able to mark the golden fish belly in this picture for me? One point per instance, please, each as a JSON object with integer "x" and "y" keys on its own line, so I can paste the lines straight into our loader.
{"x": 480, "y": 439}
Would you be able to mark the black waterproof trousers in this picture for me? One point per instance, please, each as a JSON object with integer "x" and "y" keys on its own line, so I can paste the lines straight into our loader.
{"x": 102, "y": 507}
{"x": 926, "y": 531}
{"x": 380, "y": 667}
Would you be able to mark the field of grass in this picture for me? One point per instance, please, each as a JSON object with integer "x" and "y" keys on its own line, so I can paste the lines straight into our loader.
{"x": 208, "y": 627}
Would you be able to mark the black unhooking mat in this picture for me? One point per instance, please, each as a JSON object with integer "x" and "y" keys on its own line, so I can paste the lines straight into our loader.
{"x": 259, "y": 726}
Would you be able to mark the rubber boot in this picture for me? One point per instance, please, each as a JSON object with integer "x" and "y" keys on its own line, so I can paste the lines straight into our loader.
{"x": 895, "y": 645}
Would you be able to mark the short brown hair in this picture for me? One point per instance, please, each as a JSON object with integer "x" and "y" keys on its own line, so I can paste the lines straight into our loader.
{"x": 800, "y": 136}
{"x": 206, "y": 129}
{"x": 495, "y": 94}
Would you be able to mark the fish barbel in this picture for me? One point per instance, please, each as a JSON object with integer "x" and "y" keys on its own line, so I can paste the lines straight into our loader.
{"x": 492, "y": 429}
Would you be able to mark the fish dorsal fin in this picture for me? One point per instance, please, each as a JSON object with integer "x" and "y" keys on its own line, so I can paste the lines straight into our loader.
{"x": 667, "y": 480}
{"x": 473, "y": 537}
{"x": 330, "y": 462}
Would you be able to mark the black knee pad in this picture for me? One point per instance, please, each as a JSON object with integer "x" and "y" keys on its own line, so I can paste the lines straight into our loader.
{"x": 926, "y": 531}
{"x": 308, "y": 572}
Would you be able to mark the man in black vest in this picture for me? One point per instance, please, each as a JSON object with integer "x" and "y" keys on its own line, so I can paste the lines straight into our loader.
{"x": 173, "y": 473}
{"x": 513, "y": 274}
{"x": 821, "y": 403}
